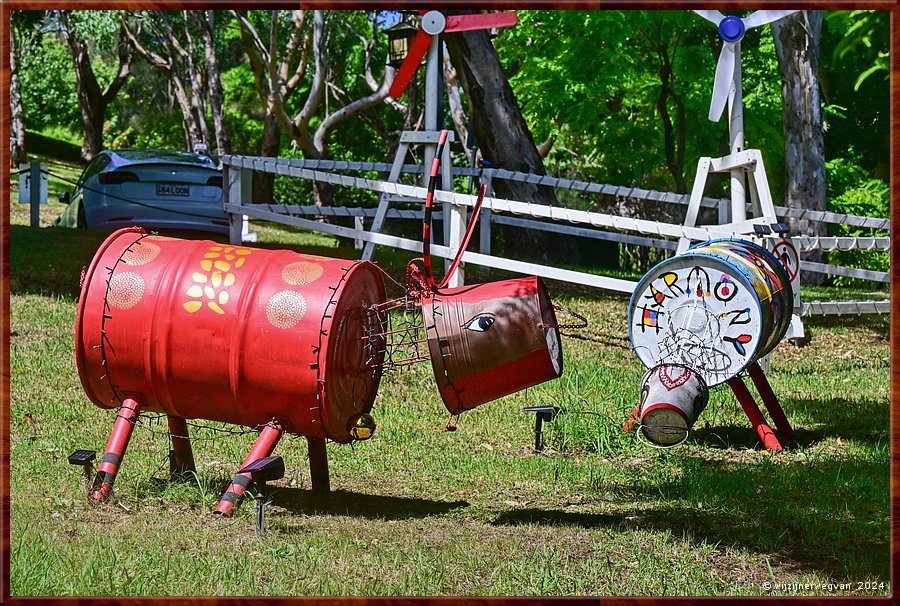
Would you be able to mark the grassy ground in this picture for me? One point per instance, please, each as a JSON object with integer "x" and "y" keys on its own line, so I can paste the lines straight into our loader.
{"x": 419, "y": 511}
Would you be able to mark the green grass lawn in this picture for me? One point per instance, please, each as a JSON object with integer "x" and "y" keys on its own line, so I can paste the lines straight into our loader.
{"x": 420, "y": 511}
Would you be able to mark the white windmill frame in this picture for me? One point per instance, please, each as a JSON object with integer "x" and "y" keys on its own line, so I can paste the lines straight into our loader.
{"x": 740, "y": 163}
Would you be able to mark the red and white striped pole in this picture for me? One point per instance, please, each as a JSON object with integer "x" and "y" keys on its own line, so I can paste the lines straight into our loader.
{"x": 263, "y": 447}
{"x": 115, "y": 449}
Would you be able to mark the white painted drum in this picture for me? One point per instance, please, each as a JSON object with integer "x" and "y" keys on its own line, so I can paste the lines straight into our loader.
{"x": 715, "y": 309}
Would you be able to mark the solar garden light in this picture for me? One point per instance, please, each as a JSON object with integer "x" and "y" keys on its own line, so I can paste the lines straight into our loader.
{"x": 85, "y": 458}
{"x": 261, "y": 471}
{"x": 542, "y": 413}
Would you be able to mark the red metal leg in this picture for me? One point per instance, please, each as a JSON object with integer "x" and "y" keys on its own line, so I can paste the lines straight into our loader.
{"x": 753, "y": 413}
{"x": 632, "y": 420}
{"x": 318, "y": 465}
{"x": 115, "y": 449}
{"x": 770, "y": 401}
{"x": 181, "y": 457}
{"x": 263, "y": 447}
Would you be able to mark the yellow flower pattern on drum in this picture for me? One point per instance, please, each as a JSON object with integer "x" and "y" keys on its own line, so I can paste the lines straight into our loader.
{"x": 215, "y": 276}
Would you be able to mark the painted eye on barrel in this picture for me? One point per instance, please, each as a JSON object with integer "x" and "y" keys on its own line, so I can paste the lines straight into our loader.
{"x": 480, "y": 323}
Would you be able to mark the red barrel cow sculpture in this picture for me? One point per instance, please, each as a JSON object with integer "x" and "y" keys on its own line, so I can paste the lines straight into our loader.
{"x": 285, "y": 342}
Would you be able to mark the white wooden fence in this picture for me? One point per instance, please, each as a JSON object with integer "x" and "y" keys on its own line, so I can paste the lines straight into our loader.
{"x": 239, "y": 169}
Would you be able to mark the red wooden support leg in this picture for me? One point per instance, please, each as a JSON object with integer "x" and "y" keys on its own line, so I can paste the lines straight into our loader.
{"x": 115, "y": 449}
{"x": 771, "y": 401}
{"x": 181, "y": 457}
{"x": 753, "y": 413}
{"x": 263, "y": 447}
{"x": 318, "y": 465}
{"x": 632, "y": 420}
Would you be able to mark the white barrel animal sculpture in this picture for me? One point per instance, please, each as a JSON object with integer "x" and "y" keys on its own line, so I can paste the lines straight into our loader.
{"x": 697, "y": 320}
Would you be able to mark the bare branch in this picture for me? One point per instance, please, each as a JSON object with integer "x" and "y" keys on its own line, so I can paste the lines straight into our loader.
{"x": 317, "y": 88}
{"x": 247, "y": 27}
{"x": 156, "y": 60}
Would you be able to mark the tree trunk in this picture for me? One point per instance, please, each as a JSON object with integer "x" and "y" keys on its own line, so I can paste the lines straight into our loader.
{"x": 797, "y": 45}
{"x": 269, "y": 146}
{"x": 457, "y": 111}
{"x": 505, "y": 140}
{"x": 674, "y": 142}
{"x": 206, "y": 23}
{"x": 16, "y": 111}
{"x": 91, "y": 100}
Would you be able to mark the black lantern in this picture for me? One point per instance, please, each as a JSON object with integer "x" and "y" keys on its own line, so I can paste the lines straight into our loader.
{"x": 400, "y": 37}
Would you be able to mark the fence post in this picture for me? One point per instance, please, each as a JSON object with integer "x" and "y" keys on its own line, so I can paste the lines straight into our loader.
{"x": 35, "y": 194}
{"x": 238, "y": 182}
{"x": 484, "y": 230}
{"x": 359, "y": 226}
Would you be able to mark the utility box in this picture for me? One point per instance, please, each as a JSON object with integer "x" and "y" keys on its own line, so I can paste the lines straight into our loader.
{"x": 25, "y": 173}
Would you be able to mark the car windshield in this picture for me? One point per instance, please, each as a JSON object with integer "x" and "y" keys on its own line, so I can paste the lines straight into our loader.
{"x": 157, "y": 155}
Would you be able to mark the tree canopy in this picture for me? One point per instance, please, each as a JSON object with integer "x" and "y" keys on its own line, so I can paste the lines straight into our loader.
{"x": 612, "y": 96}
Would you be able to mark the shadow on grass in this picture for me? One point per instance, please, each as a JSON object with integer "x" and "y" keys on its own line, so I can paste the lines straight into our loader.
{"x": 48, "y": 261}
{"x": 850, "y": 420}
{"x": 729, "y": 437}
{"x": 847, "y": 419}
{"x": 355, "y": 504}
{"x": 831, "y": 516}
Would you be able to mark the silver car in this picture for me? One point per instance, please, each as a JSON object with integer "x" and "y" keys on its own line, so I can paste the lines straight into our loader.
{"x": 151, "y": 188}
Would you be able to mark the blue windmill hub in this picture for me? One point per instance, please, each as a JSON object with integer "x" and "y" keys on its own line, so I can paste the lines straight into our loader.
{"x": 731, "y": 29}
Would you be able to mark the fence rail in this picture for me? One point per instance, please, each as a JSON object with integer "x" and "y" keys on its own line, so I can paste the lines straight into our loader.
{"x": 618, "y": 191}
{"x": 535, "y": 216}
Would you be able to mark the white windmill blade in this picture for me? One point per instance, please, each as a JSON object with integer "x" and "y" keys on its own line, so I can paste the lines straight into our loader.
{"x": 724, "y": 82}
{"x": 712, "y": 16}
{"x": 758, "y": 18}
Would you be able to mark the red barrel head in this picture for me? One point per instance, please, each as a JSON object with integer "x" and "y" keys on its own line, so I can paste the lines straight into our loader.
{"x": 490, "y": 340}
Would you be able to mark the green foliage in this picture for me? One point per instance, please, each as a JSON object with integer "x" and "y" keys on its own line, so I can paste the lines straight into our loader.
{"x": 99, "y": 27}
{"x": 852, "y": 190}
{"x": 167, "y": 133}
{"x": 852, "y": 42}
{"x": 243, "y": 111}
{"x": 591, "y": 81}
{"x": 48, "y": 85}
{"x": 867, "y": 35}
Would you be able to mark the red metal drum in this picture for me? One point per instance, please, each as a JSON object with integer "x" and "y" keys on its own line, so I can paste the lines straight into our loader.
{"x": 490, "y": 340}
{"x": 202, "y": 330}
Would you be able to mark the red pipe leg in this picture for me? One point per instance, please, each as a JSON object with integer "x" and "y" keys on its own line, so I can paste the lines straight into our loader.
{"x": 771, "y": 401}
{"x": 115, "y": 449}
{"x": 753, "y": 413}
{"x": 263, "y": 447}
{"x": 318, "y": 465}
{"x": 181, "y": 457}
{"x": 630, "y": 423}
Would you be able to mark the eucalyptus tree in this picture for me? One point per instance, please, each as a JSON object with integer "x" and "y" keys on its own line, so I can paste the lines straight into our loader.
{"x": 316, "y": 57}
{"x": 797, "y": 42}
{"x": 84, "y": 33}
{"x": 180, "y": 44}
{"x": 18, "y": 28}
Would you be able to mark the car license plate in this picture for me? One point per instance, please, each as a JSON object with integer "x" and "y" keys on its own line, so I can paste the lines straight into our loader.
{"x": 166, "y": 189}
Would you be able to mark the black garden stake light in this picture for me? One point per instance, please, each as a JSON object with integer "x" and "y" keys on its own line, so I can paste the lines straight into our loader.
{"x": 261, "y": 471}
{"x": 541, "y": 414}
{"x": 85, "y": 459}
